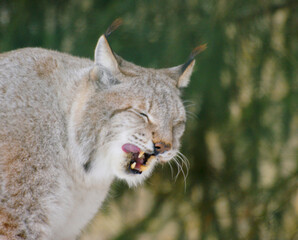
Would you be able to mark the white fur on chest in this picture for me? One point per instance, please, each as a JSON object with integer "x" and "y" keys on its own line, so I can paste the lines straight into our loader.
{"x": 80, "y": 194}
{"x": 76, "y": 208}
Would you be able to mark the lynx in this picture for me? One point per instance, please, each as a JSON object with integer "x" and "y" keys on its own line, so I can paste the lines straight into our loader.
{"x": 69, "y": 126}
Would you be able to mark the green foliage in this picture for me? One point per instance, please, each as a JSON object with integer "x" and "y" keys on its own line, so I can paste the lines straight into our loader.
{"x": 241, "y": 137}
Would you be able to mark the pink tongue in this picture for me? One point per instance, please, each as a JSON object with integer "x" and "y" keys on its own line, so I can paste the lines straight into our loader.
{"x": 130, "y": 148}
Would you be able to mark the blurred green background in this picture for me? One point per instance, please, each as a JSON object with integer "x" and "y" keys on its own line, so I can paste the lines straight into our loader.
{"x": 242, "y": 131}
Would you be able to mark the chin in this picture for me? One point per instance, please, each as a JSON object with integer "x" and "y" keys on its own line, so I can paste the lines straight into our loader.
{"x": 132, "y": 179}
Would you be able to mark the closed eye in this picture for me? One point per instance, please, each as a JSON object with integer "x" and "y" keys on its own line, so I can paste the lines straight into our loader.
{"x": 144, "y": 115}
{"x": 141, "y": 114}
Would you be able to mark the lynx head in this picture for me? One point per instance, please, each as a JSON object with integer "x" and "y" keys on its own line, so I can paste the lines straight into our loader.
{"x": 135, "y": 115}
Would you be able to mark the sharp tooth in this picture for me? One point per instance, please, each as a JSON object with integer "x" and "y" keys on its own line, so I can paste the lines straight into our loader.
{"x": 143, "y": 168}
{"x": 141, "y": 154}
{"x": 133, "y": 165}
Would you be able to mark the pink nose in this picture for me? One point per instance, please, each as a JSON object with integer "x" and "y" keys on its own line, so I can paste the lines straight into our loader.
{"x": 161, "y": 147}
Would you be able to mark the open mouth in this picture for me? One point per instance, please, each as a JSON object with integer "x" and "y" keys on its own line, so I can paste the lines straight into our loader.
{"x": 138, "y": 160}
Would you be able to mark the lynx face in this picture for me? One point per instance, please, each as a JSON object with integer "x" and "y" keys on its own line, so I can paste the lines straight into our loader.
{"x": 149, "y": 127}
{"x": 141, "y": 117}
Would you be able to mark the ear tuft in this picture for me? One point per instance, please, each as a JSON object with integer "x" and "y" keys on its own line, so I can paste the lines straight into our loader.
{"x": 193, "y": 54}
{"x": 182, "y": 73}
{"x": 187, "y": 68}
{"x": 117, "y": 23}
{"x": 198, "y": 50}
{"x": 104, "y": 55}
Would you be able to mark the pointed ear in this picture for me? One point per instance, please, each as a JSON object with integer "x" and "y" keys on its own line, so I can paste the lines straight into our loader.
{"x": 104, "y": 55}
{"x": 182, "y": 73}
{"x": 184, "y": 78}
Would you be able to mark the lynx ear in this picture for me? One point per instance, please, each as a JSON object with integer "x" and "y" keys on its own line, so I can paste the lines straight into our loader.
{"x": 186, "y": 70}
{"x": 182, "y": 73}
{"x": 104, "y": 55}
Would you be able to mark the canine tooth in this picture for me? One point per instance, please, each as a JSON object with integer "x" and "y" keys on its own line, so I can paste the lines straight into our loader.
{"x": 133, "y": 165}
{"x": 143, "y": 168}
{"x": 141, "y": 154}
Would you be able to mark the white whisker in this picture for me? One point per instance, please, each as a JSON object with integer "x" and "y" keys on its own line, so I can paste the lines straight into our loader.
{"x": 172, "y": 171}
{"x": 179, "y": 168}
{"x": 191, "y": 115}
{"x": 180, "y": 161}
{"x": 186, "y": 161}
{"x": 189, "y": 102}
{"x": 183, "y": 162}
{"x": 189, "y": 105}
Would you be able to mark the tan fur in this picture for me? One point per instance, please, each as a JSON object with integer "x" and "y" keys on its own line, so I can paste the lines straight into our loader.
{"x": 63, "y": 121}
{"x": 45, "y": 67}
{"x": 8, "y": 225}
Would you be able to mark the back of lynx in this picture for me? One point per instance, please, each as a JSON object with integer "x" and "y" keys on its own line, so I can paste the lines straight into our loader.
{"x": 69, "y": 126}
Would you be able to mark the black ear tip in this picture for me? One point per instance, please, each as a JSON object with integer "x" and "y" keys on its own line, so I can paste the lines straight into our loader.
{"x": 115, "y": 24}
